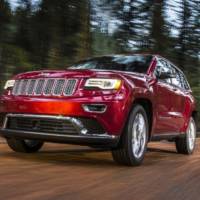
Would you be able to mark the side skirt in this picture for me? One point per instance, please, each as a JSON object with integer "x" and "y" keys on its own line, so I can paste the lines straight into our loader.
{"x": 166, "y": 136}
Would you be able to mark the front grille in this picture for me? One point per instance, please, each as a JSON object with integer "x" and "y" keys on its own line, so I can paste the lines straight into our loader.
{"x": 49, "y": 86}
{"x": 54, "y": 87}
{"x": 71, "y": 86}
{"x": 59, "y": 87}
{"x": 30, "y": 87}
{"x": 24, "y": 87}
{"x": 54, "y": 126}
{"x": 39, "y": 87}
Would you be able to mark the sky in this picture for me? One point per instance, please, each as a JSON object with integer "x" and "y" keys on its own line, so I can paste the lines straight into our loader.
{"x": 14, "y": 2}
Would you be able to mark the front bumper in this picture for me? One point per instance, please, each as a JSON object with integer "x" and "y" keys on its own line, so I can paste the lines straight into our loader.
{"x": 77, "y": 132}
{"x": 112, "y": 119}
{"x": 105, "y": 140}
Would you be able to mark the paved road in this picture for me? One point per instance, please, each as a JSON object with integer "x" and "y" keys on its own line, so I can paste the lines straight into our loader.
{"x": 71, "y": 172}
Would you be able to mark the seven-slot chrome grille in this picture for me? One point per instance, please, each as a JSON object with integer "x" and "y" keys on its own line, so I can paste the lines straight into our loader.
{"x": 47, "y": 87}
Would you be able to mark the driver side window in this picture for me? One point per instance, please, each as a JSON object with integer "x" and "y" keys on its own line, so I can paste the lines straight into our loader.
{"x": 176, "y": 81}
{"x": 162, "y": 66}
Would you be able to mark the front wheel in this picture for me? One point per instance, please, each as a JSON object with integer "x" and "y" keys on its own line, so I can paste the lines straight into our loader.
{"x": 186, "y": 144}
{"x": 134, "y": 140}
{"x": 24, "y": 146}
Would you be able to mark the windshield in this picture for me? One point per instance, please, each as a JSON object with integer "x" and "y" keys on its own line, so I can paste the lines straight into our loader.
{"x": 132, "y": 63}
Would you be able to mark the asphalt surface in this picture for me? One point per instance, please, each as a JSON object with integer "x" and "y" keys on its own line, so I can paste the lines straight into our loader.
{"x": 75, "y": 172}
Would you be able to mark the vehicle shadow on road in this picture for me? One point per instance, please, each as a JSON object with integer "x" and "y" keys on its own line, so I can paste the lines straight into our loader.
{"x": 85, "y": 156}
{"x": 161, "y": 150}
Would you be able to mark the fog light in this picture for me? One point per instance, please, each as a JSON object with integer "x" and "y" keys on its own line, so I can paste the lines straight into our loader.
{"x": 84, "y": 131}
{"x": 95, "y": 108}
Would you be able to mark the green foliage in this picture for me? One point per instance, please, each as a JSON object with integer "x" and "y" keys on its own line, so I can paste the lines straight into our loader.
{"x": 103, "y": 44}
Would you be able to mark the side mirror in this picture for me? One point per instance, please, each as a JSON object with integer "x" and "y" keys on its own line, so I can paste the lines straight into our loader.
{"x": 166, "y": 75}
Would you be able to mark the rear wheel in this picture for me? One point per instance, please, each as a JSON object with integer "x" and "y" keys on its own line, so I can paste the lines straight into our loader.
{"x": 24, "y": 146}
{"x": 186, "y": 145}
{"x": 134, "y": 141}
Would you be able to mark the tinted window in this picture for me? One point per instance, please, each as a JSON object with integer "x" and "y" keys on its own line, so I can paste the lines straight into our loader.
{"x": 180, "y": 80}
{"x": 185, "y": 84}
{"x": 162, "y": 66}
{"x": 133, "y": 63}
{"x": 177, "y": 80}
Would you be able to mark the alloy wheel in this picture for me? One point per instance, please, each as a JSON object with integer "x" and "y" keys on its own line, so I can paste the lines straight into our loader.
{"x": 139, "y": 135}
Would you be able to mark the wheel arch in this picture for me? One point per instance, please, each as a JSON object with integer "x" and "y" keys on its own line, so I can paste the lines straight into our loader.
{"x": 194, "y": 114}
{"x": 148, "y": 107}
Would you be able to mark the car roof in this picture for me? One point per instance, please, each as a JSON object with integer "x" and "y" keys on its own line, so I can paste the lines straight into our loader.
{"x": 124, "y": 54}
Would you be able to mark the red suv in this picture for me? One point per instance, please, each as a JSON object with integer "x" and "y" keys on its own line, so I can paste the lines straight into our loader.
{"x": 119, "y": 102}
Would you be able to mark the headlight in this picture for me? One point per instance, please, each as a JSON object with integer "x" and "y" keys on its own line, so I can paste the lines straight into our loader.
{"x": 9, "y": 84}
{"x": 105, "y": 84}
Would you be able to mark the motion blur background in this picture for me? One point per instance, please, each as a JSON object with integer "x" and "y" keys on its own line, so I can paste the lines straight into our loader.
{"x": 52, "y": 34}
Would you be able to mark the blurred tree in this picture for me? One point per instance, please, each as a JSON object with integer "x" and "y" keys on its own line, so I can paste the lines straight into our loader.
{"x": 159, "y": 31}
{"x": 184, "y": 27}
{"x": 23, "y": 23}
{"x": 5, "y": 18}
{"x": 61, "y": 30}
{"x": 195, "y": 34}
{"x": 127, "y": 12}
{"x": 103, "y": 44}
{"x": 145, "y": 18}
{"x": 154, "y": 34}
{"x": 143, "y": 25}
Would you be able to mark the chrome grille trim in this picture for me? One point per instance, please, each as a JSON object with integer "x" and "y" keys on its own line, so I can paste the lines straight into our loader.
{"x": 16, "y": 87}
{"x": 48, "y": 88}
{"x": 24, "y": 87}
{"x": 31, "y": 87}
{"x": 70, "y": 87}
{"x": 58, "y": 87}
{"x": 39, "y": 87}
{"x": 45, "y": 86}
{"x": 19, "y": 87}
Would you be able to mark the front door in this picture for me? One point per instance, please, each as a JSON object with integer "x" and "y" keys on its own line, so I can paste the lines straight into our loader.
{"x": 164, "y": 99}
{"x": 179, "y": 97}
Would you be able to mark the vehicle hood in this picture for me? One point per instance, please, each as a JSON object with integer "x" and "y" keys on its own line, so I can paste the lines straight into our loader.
{"x": 71, "y": 73}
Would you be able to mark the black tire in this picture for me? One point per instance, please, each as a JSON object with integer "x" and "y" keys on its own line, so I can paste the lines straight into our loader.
{"x": 24, "y": 146}
{"x": 124, "y": 154}
{"x": 182, "y": 143}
